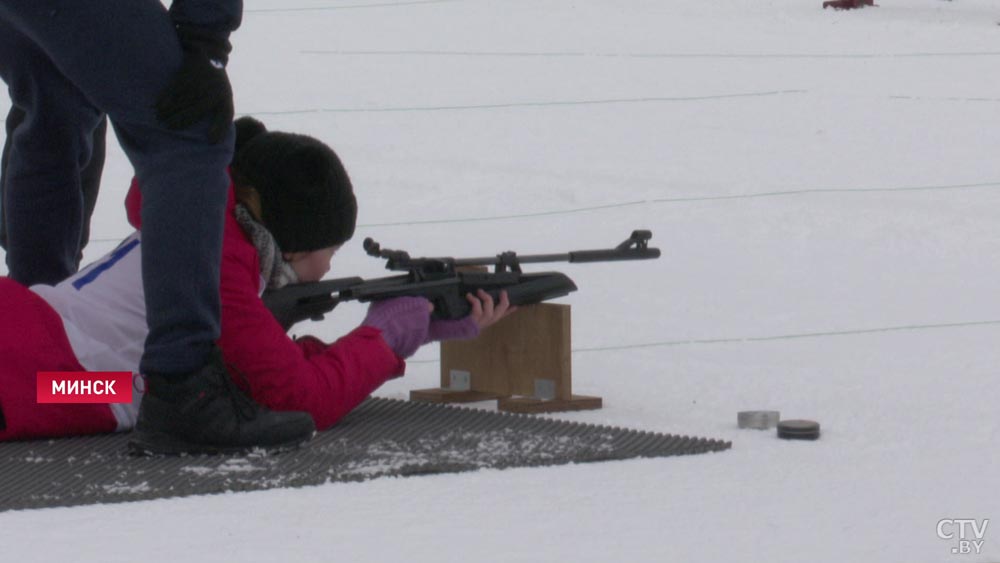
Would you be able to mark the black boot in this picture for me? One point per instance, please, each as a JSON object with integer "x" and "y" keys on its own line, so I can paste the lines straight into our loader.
{"x": 205, "y": 412}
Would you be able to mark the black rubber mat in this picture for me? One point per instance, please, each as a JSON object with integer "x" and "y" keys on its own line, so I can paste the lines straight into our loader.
{"x": 381, "y": 437}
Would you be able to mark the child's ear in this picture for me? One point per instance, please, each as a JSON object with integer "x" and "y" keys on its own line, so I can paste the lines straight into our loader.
{"x": 250, "y": 197}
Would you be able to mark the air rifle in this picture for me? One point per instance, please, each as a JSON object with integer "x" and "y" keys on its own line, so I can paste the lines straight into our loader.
{"x": 446, "y": 281}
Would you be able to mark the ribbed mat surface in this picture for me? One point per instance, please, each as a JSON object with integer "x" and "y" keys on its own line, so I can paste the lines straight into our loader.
{"x": 381, "y": 437}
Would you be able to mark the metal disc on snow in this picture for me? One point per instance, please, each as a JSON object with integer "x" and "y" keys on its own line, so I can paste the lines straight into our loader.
{"x": 758, "y": 420}
{"x": 798, "y": 429}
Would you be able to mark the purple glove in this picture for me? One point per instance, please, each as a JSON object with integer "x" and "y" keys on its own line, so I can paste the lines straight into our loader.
{"x": 404, "y": 322}
{"x": 459, "y": 329}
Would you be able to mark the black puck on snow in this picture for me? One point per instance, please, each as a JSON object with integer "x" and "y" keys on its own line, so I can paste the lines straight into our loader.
{"x": 798, "y": 429}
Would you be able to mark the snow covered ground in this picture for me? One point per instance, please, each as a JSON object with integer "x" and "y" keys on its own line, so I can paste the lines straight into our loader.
{"x": 824, "y": 186}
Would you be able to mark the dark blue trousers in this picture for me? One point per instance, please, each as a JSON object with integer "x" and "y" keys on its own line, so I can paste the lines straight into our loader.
{"x": 66, "y": 64}
{"x": 66, "y": 255}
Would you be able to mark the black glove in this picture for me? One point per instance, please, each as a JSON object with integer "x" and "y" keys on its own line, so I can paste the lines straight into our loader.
{"x": 200, "y": 89}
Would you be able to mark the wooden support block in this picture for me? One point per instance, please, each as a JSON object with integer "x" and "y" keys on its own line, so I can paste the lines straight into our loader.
{"x": 531, "y": 405}
{"x": 526, "y": 356}
{"x": 533, "y": 343}
{"x": 441, "y": 395}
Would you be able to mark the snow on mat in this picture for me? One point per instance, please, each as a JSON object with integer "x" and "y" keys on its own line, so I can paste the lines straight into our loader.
{"x": 382, "y": 437}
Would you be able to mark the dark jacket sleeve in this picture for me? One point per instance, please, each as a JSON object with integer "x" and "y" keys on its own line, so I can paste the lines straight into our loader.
{"x": 220, "y": 17}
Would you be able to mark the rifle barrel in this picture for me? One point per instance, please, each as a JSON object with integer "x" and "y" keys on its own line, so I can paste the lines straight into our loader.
{"x": 527, "y": 259}
{"x": 615, "y": 254}
{"x": 634, "y": 248}
{"x": 580, "y": 256}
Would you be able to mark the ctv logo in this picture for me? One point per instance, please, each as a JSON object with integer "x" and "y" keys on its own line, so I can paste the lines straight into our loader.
{"x": 84, "y": 387}
{"x": 970, "y": 534}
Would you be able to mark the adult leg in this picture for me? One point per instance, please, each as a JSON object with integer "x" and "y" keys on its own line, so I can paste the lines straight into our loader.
{"x": 14, "y": 118}
{"x": 90, "y": 176}
{"x": 48, "y": 145}
{"x": 90, "y": 182}
{"x": 120, "y": 54}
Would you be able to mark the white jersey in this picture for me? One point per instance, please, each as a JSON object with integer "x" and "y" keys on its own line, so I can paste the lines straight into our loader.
{"x": 103, "y": 310}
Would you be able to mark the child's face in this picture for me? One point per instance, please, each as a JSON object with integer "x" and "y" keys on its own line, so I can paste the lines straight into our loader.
{"x": 311, "y": 266}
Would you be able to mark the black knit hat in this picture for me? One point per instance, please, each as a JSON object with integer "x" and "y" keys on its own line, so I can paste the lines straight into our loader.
{"x": 307, "y": 201}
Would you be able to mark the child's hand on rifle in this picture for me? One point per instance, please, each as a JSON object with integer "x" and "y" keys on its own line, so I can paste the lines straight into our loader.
{"x": 484, "y": 313}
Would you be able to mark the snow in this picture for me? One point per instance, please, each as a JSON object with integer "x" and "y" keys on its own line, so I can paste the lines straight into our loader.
{"x": 823, "y": 185}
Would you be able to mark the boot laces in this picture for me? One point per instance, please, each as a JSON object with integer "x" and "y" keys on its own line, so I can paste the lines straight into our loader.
{"x": 244, "y": 406}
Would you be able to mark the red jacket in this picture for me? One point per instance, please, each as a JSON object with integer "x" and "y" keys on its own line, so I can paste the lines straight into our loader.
{"x": 327, "y": 381}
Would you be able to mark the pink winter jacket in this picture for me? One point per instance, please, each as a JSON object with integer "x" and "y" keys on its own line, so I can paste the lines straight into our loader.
{"x": 325, "y": 380}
